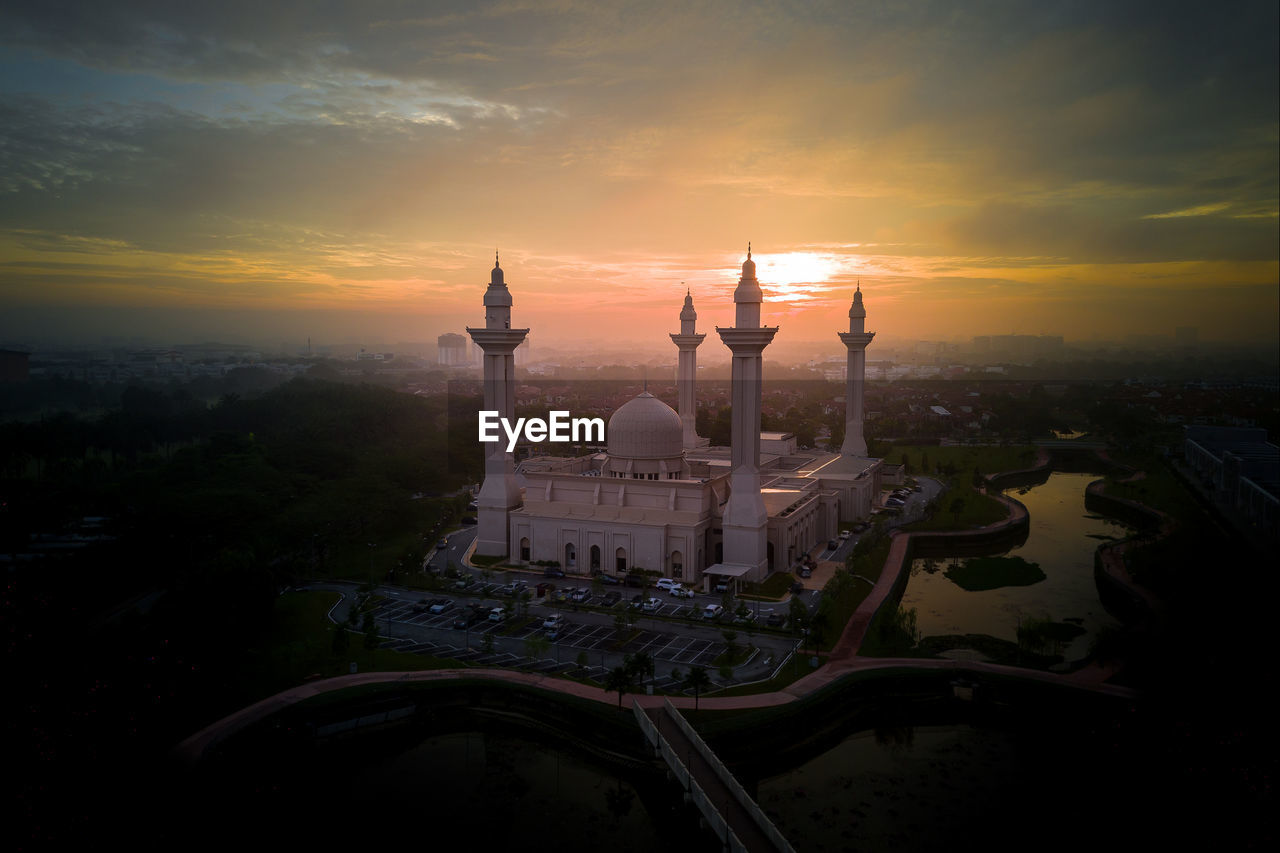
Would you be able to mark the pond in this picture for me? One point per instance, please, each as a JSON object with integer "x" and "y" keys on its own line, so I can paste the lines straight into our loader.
{"x": 947, "y": 788}
{"x": 1046, "y": 584}
{"x": 477, "y": 788}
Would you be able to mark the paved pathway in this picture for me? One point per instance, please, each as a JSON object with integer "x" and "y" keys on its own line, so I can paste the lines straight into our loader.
{"x": 733, "y": 812}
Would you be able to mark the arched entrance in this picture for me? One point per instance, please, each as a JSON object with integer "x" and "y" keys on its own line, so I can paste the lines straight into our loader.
{"x": 570, "y": 556}
{"x": 621, "y": 561}
{"x": 524, "y": 549}
{"x": 677, "y": 564}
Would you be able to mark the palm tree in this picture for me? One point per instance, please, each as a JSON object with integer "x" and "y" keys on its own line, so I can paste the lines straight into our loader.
{"x": 640, "y": 665}
{"x": 619, "y": 679}
{"x": 697, "y": 680}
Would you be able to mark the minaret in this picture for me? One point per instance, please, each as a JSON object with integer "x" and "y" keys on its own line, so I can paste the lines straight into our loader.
{"x": 745, "y": 519}
{"x": 687, "y": 370}
{"x": 856, "y": 340}
{"x": 499, "y": 493}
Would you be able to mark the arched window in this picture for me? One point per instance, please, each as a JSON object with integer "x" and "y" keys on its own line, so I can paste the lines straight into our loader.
{"x": 524, "y": 549}
{"x": 677, "y": 564}
{"x": 595, "y": 558}
{"x": 621, "y": 561}
{"x": 570, "y": 556}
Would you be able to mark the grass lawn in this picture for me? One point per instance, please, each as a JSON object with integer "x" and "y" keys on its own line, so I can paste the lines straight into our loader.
{"x": 976, "y": 510}
{"x": 299, "y": 647}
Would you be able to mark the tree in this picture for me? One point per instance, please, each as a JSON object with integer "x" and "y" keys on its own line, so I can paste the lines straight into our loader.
{"x": 697, "y": 680}
{"x": 371, "y": 637}
{"x": 818, "y": 626}
{"x": 798, "y": 614}
{"x": 486, "y": 644}
{"x": 640, "y": 665}
{"x": 341, "y": 642}
{"x": 536, "y": 645}
{"x": 957, "y": 507}
{"x": 619, "y": 679}
{"x": 731, "y": 644}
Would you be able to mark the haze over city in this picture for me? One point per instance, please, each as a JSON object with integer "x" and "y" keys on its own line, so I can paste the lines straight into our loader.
{"x": 243, "y": 171}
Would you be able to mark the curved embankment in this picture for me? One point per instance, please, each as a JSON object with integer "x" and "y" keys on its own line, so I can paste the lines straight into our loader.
{"x": 843, "y": 660}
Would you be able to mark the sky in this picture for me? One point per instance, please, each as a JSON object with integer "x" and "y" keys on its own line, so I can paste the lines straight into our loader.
{"x": 346, "y": 170}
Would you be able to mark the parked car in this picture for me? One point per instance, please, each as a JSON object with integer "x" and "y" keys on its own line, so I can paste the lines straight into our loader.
{"x": 652, "y": 604}
{"x": 497, "y": 614}
{"x": 775, "y": 620}
{"x": 443, "y": 543}
{"x": 667, "y": 583}
{"x": 552, "y": 572}
{"x": 712, "y": 611}
{"x": 845, "y": 534}
{"x": 832, "y": 544}
{"x": 609, "y": 579}
{"x": 680, "y": 592}
{"x": 805, "y": 572}
{"x": 463, "y": 582}
{"x": 581, "y": 594}
{"x": 469, "y": 617}
{"x": 636, "y": 601}
{"x": 468, "y": 519}
{"x": 440, "y": 605}
{"x": 721, "y": 586}
{"x": 915, "y": 488}
{"x": 555, "y": 620}
{"x": 859, "y": 527}
{"x": 563, "y": 594}
{"x": 612, "y": 597}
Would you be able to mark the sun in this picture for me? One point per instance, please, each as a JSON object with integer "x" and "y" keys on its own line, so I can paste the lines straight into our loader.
{"x": 795, "y": 276}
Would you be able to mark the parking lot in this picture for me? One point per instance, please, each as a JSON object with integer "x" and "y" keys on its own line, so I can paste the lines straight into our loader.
{"x": 572, "y": 637}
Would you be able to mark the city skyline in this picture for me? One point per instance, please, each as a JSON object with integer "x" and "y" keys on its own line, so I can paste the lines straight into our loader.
{"x": 1035, "y": 169}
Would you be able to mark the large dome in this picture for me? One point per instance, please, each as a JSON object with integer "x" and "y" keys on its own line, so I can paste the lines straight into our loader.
{"x": 645, "y": 428}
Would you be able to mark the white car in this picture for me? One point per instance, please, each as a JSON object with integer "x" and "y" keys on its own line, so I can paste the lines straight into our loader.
{"x": 667, "y": 584}
{"x": 680, "y": 592}
{"x": 712, "y": 611}
{"x": 652, "y": 604}
{"x": 555, "y": 620}
{"x": 497, "y": 614}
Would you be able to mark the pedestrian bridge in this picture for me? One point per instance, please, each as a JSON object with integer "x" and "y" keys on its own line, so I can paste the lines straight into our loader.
{"x": 736, "y": 819}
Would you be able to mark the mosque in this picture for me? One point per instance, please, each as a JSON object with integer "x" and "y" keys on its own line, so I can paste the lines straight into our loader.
{"x": 660, "y": 498}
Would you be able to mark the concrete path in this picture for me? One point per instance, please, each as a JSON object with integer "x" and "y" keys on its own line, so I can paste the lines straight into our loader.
{"x": 733, "y": 812}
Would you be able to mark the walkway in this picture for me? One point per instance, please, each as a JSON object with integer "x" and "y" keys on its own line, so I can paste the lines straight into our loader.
{"x": 718, "y": 794}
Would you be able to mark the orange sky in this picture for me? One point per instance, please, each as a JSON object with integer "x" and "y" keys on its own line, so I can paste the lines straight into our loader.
{"x": 1033, "y": 168}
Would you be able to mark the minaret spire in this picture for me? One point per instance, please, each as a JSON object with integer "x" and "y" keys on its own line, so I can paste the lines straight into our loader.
{"x": 745, "y": 518}
{"x": 499, "y": 493}
{"x": 855, "y": 341}
{"x": 687, "y": 341}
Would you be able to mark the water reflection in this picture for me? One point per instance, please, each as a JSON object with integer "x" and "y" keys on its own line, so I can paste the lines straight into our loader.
{"x": 1060, "y": 544}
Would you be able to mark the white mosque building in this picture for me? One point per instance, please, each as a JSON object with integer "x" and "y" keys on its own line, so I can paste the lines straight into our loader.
{"x": 661, "y": 499}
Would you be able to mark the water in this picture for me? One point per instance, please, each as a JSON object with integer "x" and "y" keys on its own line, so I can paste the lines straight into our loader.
{"x": 1062, "y": 538}
{"x": 947, "y": 788}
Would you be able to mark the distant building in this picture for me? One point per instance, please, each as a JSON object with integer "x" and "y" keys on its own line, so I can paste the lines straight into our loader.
{"x": 452, "y": 350}
{"x": 1241, "y": 469}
